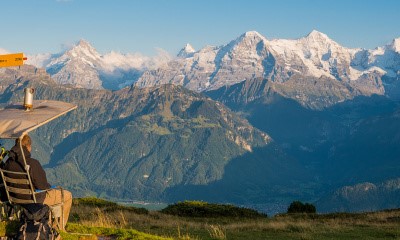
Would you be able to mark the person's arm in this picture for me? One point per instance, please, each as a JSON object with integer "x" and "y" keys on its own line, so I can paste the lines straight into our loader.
{"x": 38, "y": 176}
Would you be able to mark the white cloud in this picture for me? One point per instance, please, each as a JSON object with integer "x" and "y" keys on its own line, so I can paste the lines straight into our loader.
{"x": 115, "y": 60}
{"x": 39, "y": 60}
{"x": 162, "y": 57}
{"x": 67, "y": 46}
{"x": 3, "y": 51}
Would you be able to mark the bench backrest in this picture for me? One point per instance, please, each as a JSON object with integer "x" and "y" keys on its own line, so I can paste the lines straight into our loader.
{"x": 18, "y": 187}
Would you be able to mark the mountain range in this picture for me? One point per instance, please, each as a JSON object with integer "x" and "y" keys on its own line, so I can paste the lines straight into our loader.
{"x": 342, "y": 73}
{"x": 255, "y": 122}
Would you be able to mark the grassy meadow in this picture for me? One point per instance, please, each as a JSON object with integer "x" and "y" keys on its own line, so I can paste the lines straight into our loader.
{"x": 92, "y": 218}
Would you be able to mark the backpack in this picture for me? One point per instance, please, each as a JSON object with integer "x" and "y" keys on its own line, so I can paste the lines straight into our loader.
{"x": 35, "y": 223}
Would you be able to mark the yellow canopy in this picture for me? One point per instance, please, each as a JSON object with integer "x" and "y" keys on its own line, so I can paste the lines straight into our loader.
{"x": 16, "y": 122}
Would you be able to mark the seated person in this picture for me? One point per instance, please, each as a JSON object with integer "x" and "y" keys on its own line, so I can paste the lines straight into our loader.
{"x": 49, "y": 197}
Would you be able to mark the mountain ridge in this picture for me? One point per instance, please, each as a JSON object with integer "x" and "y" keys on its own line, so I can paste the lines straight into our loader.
{"x": 364, "y": 196}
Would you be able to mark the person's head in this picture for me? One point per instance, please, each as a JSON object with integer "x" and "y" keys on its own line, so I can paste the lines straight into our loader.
{"x": 25, "y": 141}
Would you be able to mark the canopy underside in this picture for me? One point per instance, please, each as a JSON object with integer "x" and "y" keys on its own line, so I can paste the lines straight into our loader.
{"x": 15, "y": 121}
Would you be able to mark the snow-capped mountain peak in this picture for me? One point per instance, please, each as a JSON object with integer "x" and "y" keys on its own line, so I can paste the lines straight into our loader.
{"x": 396, "y": 45}
{"x": 252, "y": 34}
{"x": 84, "y": 44}
{"x": 77, "y": 66}
{"x": 246, "y": 44}
{"x": 83, "y": 49}
{"x": 315, "y": 34}
{"x": 250, "y": 37}
{"x": 314, "y": 55}
{"x": 318, "y": 39}
{"x": 188, "y": 48}
{"x": 186, "y": 51}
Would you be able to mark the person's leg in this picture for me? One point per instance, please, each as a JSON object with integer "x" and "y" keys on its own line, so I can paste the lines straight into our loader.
{"x": 58, "y": 196}
{"x": 67, "y": 206}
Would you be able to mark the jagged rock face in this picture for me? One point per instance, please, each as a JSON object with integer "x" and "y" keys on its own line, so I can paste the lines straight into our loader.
{"x": 314, "y": 55}
{"x": 214, "y": 67}
{"x": 385, "y": 61}
{"x": 192, "y": 73}
{"x": 187, "y": 51}
{"x": 310, "y": 92}
{"x": 233, "y": 66}
{"x": 77, "y": 66}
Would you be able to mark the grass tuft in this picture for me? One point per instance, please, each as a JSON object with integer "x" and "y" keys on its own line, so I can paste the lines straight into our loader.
{"x": 217, "y": 232}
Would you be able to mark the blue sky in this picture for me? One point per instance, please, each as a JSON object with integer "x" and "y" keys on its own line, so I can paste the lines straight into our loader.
{"x": 38, "y": 26}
